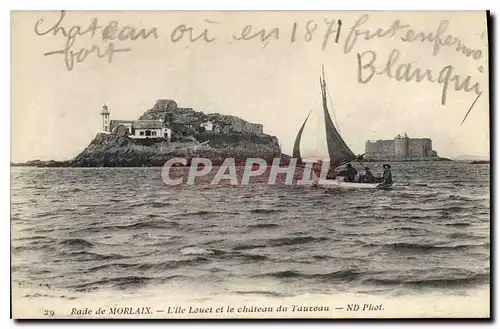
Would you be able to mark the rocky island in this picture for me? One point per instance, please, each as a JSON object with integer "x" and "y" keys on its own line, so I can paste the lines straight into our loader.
{"x": 166, "y": 131}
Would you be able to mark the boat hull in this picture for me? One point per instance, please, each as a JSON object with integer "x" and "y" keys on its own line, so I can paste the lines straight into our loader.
{"x": 339, "y": 183}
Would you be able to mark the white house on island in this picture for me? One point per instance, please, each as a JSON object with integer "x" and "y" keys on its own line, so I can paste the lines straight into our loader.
{"x": 137, "y": 129}
{"x": 208, "y": 125}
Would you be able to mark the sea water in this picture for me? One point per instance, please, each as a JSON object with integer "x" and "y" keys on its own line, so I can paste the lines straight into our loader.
{"x": 121, "y": 240}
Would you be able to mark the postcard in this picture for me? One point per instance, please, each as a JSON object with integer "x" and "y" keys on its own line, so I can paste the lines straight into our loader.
{"x": 250, "y": 164}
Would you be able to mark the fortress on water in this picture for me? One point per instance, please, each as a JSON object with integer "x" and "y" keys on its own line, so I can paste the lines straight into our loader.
{"x": 401, "y": 148}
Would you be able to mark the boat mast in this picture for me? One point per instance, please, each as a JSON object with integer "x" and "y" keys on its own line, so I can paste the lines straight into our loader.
{"x": 338, "y": 150}
{"x": 323, "y": 87}
{"x": 323, "y": 97}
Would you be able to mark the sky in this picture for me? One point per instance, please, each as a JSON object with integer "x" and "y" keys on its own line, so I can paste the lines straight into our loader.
{"x": 55, "y": 108}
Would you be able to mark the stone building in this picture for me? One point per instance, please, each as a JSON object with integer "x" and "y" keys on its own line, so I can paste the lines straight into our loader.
{"x": 400, "y": 148}
{"x": 136, "y": 129}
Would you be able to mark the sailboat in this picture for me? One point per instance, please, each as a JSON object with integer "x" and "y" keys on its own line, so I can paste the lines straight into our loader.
{"x": 338, "y": 150}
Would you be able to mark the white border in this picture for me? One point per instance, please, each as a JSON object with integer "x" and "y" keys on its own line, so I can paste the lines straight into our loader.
{"x": 8, "y": 5}
{"x": 254, "y": 5}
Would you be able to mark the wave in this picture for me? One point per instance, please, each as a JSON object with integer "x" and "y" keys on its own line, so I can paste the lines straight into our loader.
{"x": 410, "y": 229}
{"x": 457, "y": 224}
{"x": 38, "y": 187}
{"x": 232, "y": 255}
{"x": 456, "y": 209}
{"x": 458, "y": 197}
{"x": 153, "y": 225}
{"x": 418, "y": 195}
{"x": 90, "y": 256}
{"x": 205, "y": 213}
{"x": 123, "y": 282}
{"x": 37, "y": 244}
{"x": 160, "y": 204}
{"x": 196, "y": 251}
{"x": 262, "y": 293}
{"x": 264, "y": 225}
{"x": 218, "y": 254}
{"x": 265, "y": 211}
{"x": 80, "y": 243}
{"x": 36, "y": 230}
{"x": 18, "y": 249}
{"x": 237, "y": 255}
{"x": 423, "y": 208}
{"x": 168, "y": 265}
{"x": 47, "y": 214}
{"x": 35, "y": 237}
{"x": 436, "y": 283}
{"x": 248, "y": 246}
{"x": 140, "y": 225}
{"x": 159, "y": 241}
{"x": 344, "y": 275}
{"x": 37, "y": 295}
{"x": 279, "y": 242}
{"x": 154, "y": 267}
{"x": 423, "y": 247}
{"x": 294, "y": 241}
{"x": 361, "y": 206}
{"x": 399, "y": 208}
{"x": 251, "y": 257}
{"x": 110, "y": 266}
{"x": 201, "y": 212}
{"x": 282, "y": 274}
{"x": 138, "y": 205}
{"x": 461, "y": 235}
{"x": 321, "y": 257}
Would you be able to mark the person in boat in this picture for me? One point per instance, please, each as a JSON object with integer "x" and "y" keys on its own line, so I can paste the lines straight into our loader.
{"x": 387, "y": 175}
{"x": 368, "y": 177}
{"x": 349, "y": 173}
{"x": 331, "y": 173}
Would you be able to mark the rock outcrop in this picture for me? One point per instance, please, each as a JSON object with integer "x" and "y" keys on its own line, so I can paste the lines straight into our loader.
{"x": 107, "y": 150}
{"x": 232, "y": 137}
{"x": 187, "y": 122}
{"x": 42, "y": 163}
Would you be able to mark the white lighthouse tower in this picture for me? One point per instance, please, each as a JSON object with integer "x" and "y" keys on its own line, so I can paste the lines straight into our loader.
{"x": 105, "y": 118}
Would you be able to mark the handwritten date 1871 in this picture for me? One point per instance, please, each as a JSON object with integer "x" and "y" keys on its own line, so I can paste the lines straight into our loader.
{"x": 305, "y": 32}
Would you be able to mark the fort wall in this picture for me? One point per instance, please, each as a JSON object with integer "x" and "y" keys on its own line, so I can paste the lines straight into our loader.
{"x": 400, "y": 148}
